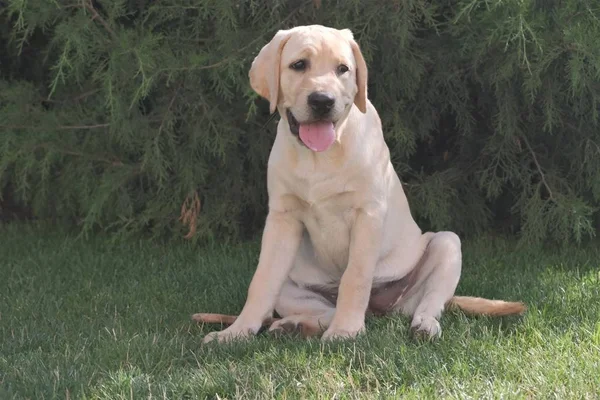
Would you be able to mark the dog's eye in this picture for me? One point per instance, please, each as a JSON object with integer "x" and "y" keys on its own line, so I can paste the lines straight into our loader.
{"x": 342, "y": 69}
{"x": 299, "y": 65}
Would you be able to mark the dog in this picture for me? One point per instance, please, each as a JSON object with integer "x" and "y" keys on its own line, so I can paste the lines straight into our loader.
{"x": 339, "y": 240}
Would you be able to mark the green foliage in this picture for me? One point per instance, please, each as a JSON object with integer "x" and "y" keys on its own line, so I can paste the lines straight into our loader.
{"x": 116, "y": 115}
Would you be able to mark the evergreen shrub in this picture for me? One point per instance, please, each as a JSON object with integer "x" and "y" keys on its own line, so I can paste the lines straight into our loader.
{"x": 137, "y": 116}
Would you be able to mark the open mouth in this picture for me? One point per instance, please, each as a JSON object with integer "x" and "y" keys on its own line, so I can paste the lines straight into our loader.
{"x": 293, "y": 122}
{"x": 316, "y": 135}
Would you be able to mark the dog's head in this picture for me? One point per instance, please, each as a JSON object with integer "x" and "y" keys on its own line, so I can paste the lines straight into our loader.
{"x": 313, "y": 75}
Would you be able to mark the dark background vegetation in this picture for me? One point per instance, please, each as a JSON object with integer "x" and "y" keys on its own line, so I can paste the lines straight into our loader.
{"x": 136, "y": 116}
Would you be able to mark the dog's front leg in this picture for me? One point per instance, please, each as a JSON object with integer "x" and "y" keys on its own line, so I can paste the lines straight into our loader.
{"x": 356, "y": 282}
{"x": 280, "y": 241}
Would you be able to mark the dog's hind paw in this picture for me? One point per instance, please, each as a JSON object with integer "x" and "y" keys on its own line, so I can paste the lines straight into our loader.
{"x": 296, "y": 325}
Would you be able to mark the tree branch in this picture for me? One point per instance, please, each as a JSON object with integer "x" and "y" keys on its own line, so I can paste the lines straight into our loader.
{"x": 96, "y": 16}
{"x": 69, "y": 127}
{"x": 60, "y": 127}
{"x": 539, "y": 168}
{"x": 232, "y": 56}
{"x": 80, "y": 96}
{"x": 164, "y": 119}
{"x": 50, "y": 146}
{"x": 86, "y": 94}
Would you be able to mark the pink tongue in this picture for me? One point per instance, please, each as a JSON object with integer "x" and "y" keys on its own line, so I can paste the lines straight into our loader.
{"x": 317, "y": 136}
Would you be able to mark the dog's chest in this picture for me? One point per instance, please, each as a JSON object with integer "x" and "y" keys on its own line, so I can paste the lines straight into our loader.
{"x": 329, "y": 226}
{"x": 327, "y": 204}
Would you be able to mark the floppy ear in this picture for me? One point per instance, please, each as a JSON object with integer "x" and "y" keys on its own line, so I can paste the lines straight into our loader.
{"x": 361, "y": 78}
{"x": 361, "y": 71}
{"x": 264, "y": 72}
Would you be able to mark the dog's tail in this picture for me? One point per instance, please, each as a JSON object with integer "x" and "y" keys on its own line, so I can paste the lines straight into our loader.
{"x": 481, "y": 306}
{"x": 468, "y": 304}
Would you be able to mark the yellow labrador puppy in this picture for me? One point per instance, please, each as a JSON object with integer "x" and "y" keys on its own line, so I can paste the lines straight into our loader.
{"x": 339, "y": 240}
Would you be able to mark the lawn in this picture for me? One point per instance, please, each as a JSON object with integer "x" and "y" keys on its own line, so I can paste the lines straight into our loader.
{"x": 99, "y": 320}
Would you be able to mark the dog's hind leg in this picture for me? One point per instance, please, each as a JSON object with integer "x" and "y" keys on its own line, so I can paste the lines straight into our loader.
{"x": 303, "y": 311}
{"x": 439, "y": 274}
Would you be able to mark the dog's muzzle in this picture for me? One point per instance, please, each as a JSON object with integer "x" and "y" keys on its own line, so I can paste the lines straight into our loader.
{"x": 317, "y": 135}
{"x": 293, "y": 123}
{"x": 321, "y": 103}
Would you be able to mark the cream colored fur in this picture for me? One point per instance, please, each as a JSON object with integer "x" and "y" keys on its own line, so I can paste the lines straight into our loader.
{"x": 338, "y": 219}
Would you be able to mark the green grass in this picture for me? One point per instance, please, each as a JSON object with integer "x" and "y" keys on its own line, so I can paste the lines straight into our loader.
{"x": 97, "y": 320}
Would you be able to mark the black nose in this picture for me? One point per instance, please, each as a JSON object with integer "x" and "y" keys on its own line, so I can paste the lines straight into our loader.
{"x": 321, "y": 102}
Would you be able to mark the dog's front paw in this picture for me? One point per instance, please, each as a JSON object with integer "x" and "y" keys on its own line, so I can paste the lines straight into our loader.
{"x": 425, "y": 328}
{"x": 230, "y": 334}
{"x": 342, "y": 332}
